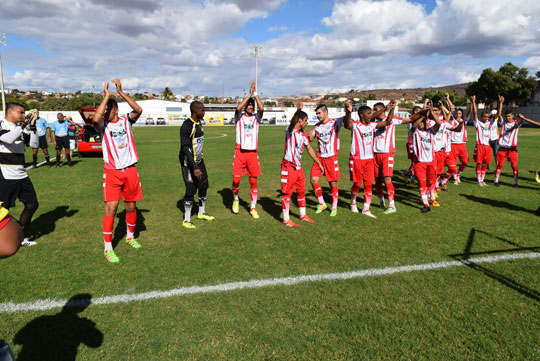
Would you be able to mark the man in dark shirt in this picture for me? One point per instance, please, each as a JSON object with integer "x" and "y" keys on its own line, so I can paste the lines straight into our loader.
{"x": 192, "y": 163}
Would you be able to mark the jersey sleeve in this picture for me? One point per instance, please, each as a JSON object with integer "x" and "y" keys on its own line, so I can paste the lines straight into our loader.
{"x": 305, "y": 138}
{"x": 186, "y": 140}
{"x": 130, "y": 121}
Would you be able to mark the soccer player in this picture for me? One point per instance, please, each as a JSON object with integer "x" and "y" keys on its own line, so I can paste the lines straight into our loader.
{"x": 120, "y": 176}
{"x": 459, "y": 143}
{"x": 508, "y": 141}
{"x": 72, "y": 135}
{"x": 192, "y": 162}
{"x": 423, "y": 145}
{"x": 292, "y": 174}
{"x": 361, "y": 161}
{"x": 11, "y": 234}
{"x": 482, "y": 150}
{"x": 384, "y": 147}
{"x": 14, "y": 180}
{"x": 246, "y": 158}
{"x": 443, "y": 146}
{"x": 38, "y": 139}
{"x": 60, "y": 137}
{"x": 409, "y": 173}
{"x": 327, "y": 133}
{"x": 495, "y": 118}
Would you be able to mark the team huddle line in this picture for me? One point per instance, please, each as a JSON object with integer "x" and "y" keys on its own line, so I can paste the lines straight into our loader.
{"x": 437, "y": 140}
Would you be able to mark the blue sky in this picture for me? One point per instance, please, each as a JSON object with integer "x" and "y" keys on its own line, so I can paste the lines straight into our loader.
{"x": 308, "y": 46}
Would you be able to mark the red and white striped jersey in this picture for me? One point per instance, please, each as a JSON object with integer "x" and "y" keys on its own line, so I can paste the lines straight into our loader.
{"x": 294, "y": 146}
{"x": 247, "y": 132}
{"x": 509, "y": 133}
{"x": 385, "y": 137}
{"x": 119, "y": 150}
{"x": 461, "y": 136}
{"x": 483, "y": 132}
{"x": 423, "y": 143}
{"x": 328, "y": 137}
{"x": 362, "y": 140}
{"x": 442, "y": 137}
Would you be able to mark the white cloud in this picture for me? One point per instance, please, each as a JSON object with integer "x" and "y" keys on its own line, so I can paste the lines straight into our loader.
{"x": 187, "y": 45}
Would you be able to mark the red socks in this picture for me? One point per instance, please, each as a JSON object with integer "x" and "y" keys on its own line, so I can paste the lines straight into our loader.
{"x": 131, "y": 221}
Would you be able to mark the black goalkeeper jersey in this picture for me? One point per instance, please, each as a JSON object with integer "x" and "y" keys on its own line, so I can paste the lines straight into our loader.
{"x": 191, "y": 143}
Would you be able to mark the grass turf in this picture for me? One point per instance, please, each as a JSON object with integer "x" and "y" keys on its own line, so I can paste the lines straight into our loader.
{"x": 487, "y": 312}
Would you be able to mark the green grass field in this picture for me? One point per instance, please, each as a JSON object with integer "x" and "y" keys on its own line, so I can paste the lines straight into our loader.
{"x": 487, "y": 311}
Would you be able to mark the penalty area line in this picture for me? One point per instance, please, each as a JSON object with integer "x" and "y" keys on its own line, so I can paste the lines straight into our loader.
{"x": 48, "y": 304}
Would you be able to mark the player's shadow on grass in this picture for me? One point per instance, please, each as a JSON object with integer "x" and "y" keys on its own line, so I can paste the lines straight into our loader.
{"x": 227, "y": 198}
{"x": 497, "y": 203}
{"x": 57, "y": 337}
{"x": 465, "y": 258}
{"x": 120, "y": 229}
{"x": 46, "y": 222}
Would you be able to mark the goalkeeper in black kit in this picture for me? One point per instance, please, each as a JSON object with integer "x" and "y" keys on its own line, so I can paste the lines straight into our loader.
{"x": 192, "y": 163}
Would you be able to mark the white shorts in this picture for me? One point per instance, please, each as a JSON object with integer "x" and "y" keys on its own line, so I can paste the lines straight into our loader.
{"x": 34, "y": 140}
{"x": 72, "y": 144}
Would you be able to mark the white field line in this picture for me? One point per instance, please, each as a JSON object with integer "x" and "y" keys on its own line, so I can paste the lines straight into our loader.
{"x": 53, "y": 159}
{"x": 48, "y": 304}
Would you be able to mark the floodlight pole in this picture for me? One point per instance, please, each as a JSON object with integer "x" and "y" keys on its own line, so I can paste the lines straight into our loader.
{"x": 2, "y": 42}
{"x": 257, "y": 51}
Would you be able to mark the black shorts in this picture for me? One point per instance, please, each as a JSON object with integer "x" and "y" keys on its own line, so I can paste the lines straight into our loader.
{"x": 11, "y": 189}
{"x": 43, "y": 142}
{"x": 62, "y": 142}
{"x": 189, "y": 175}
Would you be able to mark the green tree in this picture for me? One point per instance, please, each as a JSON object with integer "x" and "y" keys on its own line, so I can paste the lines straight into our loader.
{"x": 406, "y": 104}
{"x": 167, "y": 94}
{"x": 371, "y": 96}
{"x": 288, "y": 103}
{"x": 514, "y": 83}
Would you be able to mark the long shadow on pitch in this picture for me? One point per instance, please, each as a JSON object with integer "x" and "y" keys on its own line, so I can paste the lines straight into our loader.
{"x": 496, "y": 203}
{"x": 120, "y": 229}
{"x": 46, "y": 222}
{"x": 227, "y": 197}
{"x": 465, "y": 258}
{"x": 57, "y": 337}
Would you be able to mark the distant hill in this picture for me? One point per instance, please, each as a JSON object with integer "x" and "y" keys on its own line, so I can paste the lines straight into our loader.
{"x": 413, "y": 94}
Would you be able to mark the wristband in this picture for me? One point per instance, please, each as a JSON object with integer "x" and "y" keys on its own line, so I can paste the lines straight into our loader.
{"x": 254, "y": 94}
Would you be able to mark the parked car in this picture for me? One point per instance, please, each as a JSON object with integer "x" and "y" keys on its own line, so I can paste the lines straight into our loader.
{"x": 161, "y": 121}
{"x": 149, "y": 121}
{"x": 89, "y": 141}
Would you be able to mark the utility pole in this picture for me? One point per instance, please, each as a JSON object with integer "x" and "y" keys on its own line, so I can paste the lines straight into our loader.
{"x": 2, "y": 42}
{"x": 257, "y": 51}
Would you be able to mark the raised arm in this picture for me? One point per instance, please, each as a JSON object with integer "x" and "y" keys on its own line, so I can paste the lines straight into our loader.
{"x": 520, "y": 116}
{"x": 100, "y": 111}
{"x": 347, "y": 118}
{"x": 390, "y": 107}
{"x": 295, "y": 117}
{"x": 70, "y": 119}
{"x": 137, "y": 110}
{"x": 473, "y": 107}
{"x": 260, "y": 105}
{"x": 243, "y": 103}
{"x": 499, "y": 108}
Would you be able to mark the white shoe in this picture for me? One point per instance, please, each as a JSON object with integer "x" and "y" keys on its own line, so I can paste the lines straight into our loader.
{"x": 368, "y": 213}
{"x": 27, "y": 243}
{"x": 354, "y": 209}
